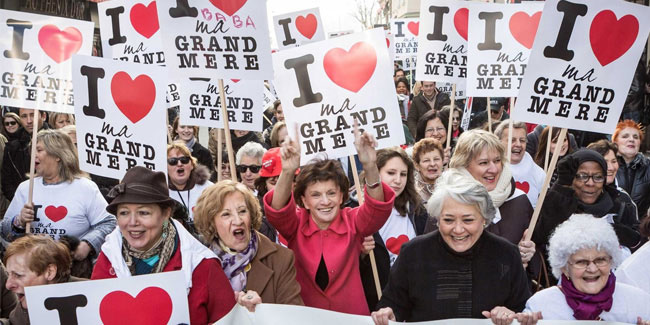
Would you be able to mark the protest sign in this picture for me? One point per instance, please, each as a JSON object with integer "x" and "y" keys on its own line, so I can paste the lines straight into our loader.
{"x": 390, "y": 43}
{"x": 35, "y": 59}
{"x": 445, "y": 87}
{"x": 200, "y": 104}
{"x": 129, "y": 31}
{"x": 120, "y": 109}
{"x": 268, "y": 98}
{"x": 582, "y": 64}
{"x": 158, "y": 298}
{"x": 324, "y": 86}
{"x": 442, "y": 52}
{"x": 173, "y": 96}
{"x": 298, "y": 28}
{"x": 216, "y": 39}
{"x": 405, "y": 32}
{"x": 500, "y": 37}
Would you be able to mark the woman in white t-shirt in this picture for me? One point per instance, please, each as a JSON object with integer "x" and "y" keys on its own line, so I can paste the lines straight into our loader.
{"x": 65, "y": 201}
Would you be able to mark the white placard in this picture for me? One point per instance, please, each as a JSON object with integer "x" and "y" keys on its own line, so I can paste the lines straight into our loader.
{"x": 390, "y": 42}
{"x": 158, "y": 298}
{"x": 35, "y": 52}
{"x": 500, "y": 37}
{"x": 298, "y": 28}
{"x": 324, "y": 85}
{"x": 582, "y": 63}
{"x": 442, "y": 53}
{"x": 405, "y": 33}
{"x": 446, "y": 88}
{"x": 216, "y": 39}
{"x": 201, "y": 104}
{"x": 268, "y": 98}
{"x": 120, "y": 109}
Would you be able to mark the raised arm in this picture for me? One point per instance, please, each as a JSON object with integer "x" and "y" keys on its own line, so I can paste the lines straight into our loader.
{"x": 365, "y": 144}
{"x": 290, "y": 153}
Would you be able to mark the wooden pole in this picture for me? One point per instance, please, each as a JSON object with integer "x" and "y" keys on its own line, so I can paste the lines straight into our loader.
{"x": 169, "y": 135}
{"x": 512, "y": 104}
{"x": 267, "y": 119}
{"x": 549, "y": 141}
{"x": 219, "y": 154}
{"x": 489, "y": 115}
{"x": 226, "y": 131}
{"x": 547, "y": 181}
{"x": 451, "y": 115}
{"x": 32, "y": 159}
{"x": 373, "y": 263}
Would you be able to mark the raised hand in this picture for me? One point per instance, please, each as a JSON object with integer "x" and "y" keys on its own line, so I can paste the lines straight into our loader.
{"x": 365, "y": 144}
{"x": 290, "y": 152}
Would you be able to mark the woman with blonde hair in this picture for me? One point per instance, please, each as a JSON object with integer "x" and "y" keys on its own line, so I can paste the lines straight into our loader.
{"x": 58, "y": 120}
{"x": 187, "y": 179}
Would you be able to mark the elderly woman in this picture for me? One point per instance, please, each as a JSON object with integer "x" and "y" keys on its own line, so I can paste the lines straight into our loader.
{"x": 65, "y": 201}
{"x": 147, "y": 241}
{"x": 187, "y": 178}
{"x": 583, "y": 252}
{"x": 59, "y": 120}
{"x": 188, "y": 134}
{"x": 460, "y": 270}
{"x": 249, "y": 163}
{"x": 31, "y": 261}
{"x": 634, "y": 172}
{"x": 325, "y": 237}
{"x": 10, "y": 124}
{"x": 228, "y": 216}
{"x": 428, "y": 156}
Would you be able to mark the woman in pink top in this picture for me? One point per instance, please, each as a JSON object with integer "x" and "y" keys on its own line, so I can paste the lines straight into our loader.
{"x": 325, "y": 238}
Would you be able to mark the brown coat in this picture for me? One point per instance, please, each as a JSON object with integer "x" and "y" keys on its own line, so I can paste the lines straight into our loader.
{"x": 273, "y": 274}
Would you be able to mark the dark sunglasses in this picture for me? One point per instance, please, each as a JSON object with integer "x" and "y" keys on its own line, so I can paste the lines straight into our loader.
{"x": 173, "y": 161}
{"x": 12, "y": 123}
{"x": 254, "y": 168}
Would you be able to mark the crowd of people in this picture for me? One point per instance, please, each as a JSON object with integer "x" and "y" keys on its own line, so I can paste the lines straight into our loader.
{"x": 432, "y": 230}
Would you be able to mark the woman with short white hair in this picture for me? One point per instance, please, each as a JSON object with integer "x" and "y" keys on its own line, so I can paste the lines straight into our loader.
{"x": 583, "y": 251}
{"x": 249, "y": 163}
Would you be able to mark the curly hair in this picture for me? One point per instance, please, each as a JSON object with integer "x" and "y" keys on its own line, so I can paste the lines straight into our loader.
{"x": 424, "y": 146}
{"x": 628, "y": 124}
{"x": 320, "y": 171}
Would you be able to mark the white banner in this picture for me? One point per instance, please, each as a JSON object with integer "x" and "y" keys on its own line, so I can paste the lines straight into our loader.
{"x": 324, "y": 86}
{"x": 582, "y": 63}
{"x": 405, "y": 32}
{"x": 500, "y": 37}
{"x": 120, "y": 111}
{"x": 446, "y": 88}
{"x": 35, "y": 59}
{"x": 298, "y": 28}
{"x": 158, "y": 298}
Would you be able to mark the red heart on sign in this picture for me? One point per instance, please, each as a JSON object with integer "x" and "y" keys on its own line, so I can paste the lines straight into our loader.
{"x": 351, "y": 70}
{"x": 134, "y": 98}
{"x": 57, "y": 44}
{"x": 414, "y": 27}
{"x": 56, "y": 213}
{"x": 395, "y": 244}
{"x": 460, "y": 22}
{"x": 229, "y": 7}
{"x": 145, "y": 19}
{"x": 387, "y": 42}
{"x": 610, "y": 38}
{"x": 524, "y": 186}
{"x": 307, "y": 25}
{"x": 152, "y": 306}
{"x": 235, "y": 80}
{"x": 524, "y": 27}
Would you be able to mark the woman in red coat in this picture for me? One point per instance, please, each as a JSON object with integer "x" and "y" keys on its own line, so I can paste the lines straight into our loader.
{"x": 148, "y": 241}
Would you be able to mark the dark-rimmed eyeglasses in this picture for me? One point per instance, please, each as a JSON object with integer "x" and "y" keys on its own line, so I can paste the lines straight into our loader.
{"x": 598, "y": 178}
{"x": 173, "y": 161}
{"x": 254, "y": 168}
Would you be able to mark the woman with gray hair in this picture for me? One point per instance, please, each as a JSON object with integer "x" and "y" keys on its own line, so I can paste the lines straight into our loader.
{"x": 249, "y": 163}
{"x": 460, "y": 270}
{"x": 584, "y": 251}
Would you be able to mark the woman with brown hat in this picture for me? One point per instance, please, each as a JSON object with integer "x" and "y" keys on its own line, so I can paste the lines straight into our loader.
{"x": 147, "y": 241}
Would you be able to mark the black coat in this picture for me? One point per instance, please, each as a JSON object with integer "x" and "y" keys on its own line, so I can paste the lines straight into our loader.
{"x": 419, "y": 106}
{"x": 202, "y": 155}
{"x": 634, "y": 178}
{"x": 430, "y": 281}
{"x": 15, "y": 166}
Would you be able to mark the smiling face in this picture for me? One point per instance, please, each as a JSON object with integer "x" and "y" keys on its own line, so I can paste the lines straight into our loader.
{"x": 20, "y": 276}
{"x": 589, "y": 191}
{"x": 436, "y": 130}
{"x": 460, "y": 225}
{"x": 233, "y": 222}
{"x": 430, "y": 166}
{"x": 141, "y": 224}
{"x": 248, "y": 177}
{"x": 10, "y": 124}
{"x": 185, "y": 132}
{"x": 629, "y": 142}
{"x": 593, "y": 278}
{"x": 45, "y": 164}
{"x": 565, "y": 146}
{"x": 394, "y": 174}
{"x": 401, "y": 88}
{"x": 455, "y": 121}
{"x": 612, "y": 166}
{"x": 428, "y": 88}
{"x": 486, "y": 168}
{"x": 518, "y": 147}
{"x": 323, "y": 200}
{"x": 179, "y": 173}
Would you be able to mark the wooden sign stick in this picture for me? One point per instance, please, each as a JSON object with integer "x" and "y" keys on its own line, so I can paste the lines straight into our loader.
{"x": 32, "y": 159}
{"x": 226, "y": 131}
{"x": 219, "y": 154}
{"x": 547, "y": 181}
{"x": 451, "y": 115}
{"x": 489, "y": 115}
{"x": 549, "y": 141}
{"x": 373, "y": 263}
{"x": 512, "y": 104}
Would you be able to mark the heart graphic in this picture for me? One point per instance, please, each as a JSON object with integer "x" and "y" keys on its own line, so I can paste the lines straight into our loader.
{"x": 414, "y": 27}
{"x": 387, "y": 42}
{"x": 524, "y": 27}
{"x": 134, "y": 98}
{"x": 611, "y": 38}
{"x": 351, "y": 70}
{"x": 152, "y": 306}
{"x": 460, "y": 22}
{"x": 235, "y": 80}
{"x": 229, "y": 7}
{"x": 307, "y": 25}
{"x": 58, "y": 44}
{"x": 524, "y": 186}
{"x": 395, "y": 244}
{"x": 56, "y": 213}
{"x": 145, "y": 19}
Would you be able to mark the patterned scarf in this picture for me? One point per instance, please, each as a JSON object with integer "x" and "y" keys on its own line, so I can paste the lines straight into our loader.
{"x": 236, "y": 264}
{"x": 586, "y": 306}
{"x": 156, "y": 258}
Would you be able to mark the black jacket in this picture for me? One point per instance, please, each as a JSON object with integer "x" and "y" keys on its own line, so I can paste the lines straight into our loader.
{"x": 202, "y": 155}
{"x": 634, "y": 178}
{"x": 15, "y": 166}
{"x": 419, "y": 106}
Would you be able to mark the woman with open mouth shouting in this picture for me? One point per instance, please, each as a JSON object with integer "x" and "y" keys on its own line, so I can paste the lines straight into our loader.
{"x": 326, "y": 238}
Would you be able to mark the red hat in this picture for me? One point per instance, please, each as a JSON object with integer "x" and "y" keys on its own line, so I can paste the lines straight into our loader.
{"x": 271, "y": 163}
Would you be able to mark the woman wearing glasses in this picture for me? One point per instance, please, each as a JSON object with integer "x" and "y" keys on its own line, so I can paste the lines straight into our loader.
{"x": 433, "y": 124}
{"x": 187, "y": 178}
{"x": 249, "y": 163}
{"x": 10, "y": 124}
{"x": 581, "y": 188}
